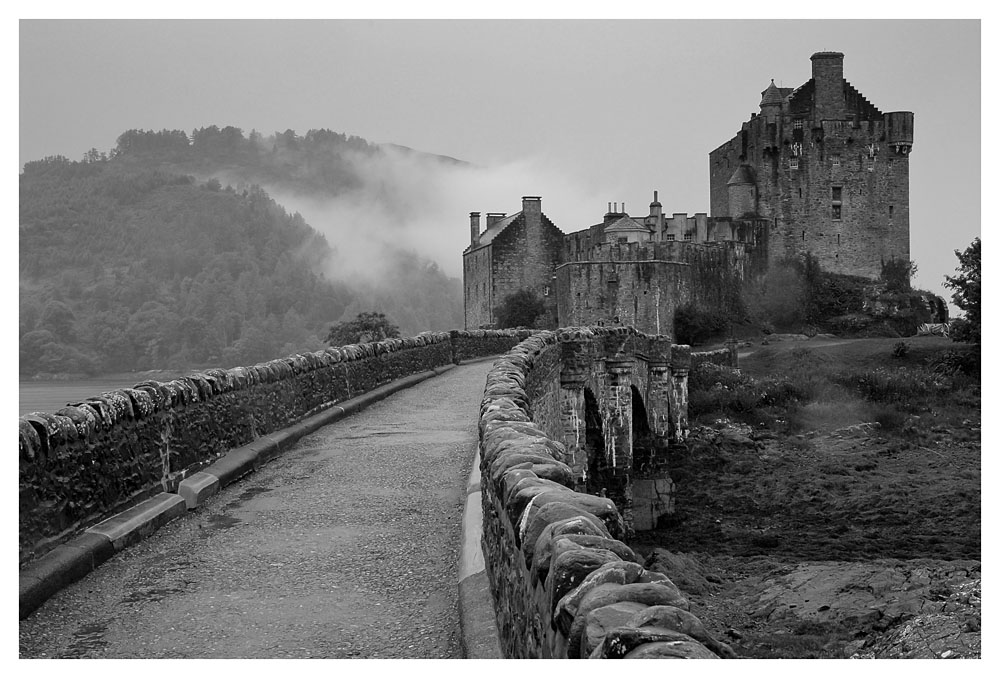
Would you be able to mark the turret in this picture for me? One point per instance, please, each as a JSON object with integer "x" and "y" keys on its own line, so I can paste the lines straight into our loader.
{"x": 742, "y": 189}
{"x": 770, "y": 101}
{"x": 899, "y": 131}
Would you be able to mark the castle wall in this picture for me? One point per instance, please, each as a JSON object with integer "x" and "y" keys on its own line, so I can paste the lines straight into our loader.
{"x": 644, "y": 294}
{"x": 477, "y": 277}
{"x": 82, "y": 463}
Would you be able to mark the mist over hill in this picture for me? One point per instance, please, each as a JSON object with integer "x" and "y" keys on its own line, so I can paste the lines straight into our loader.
{"x": 168, "y": 252}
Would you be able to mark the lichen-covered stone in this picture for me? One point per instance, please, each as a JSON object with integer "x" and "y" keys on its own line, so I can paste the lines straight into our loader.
{"x": 676, "y": 619}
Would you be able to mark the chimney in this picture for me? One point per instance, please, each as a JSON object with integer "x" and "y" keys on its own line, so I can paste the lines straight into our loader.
{"x": 828, "y": 79}
{"x": 474, "y": 227}
{"x": 531, "y": 204}
{"x": 494, "y": 217}
{"x": 655, "y": 208}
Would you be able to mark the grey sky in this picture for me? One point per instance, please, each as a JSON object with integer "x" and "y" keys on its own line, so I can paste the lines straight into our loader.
{"x": 614, "y": 108}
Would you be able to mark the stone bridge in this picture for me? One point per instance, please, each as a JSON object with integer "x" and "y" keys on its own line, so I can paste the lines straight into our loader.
{"x": 575, "y": 433}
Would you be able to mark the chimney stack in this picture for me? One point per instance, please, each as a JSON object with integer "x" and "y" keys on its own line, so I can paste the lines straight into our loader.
{"x": 828, "y": 79}
{"x": 494, "y": 217}
{"x": 474, "y": 227}
{"x": 531, "y": 204}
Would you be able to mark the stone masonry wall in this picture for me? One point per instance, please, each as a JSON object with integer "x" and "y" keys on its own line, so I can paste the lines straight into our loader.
{"x": 564, "y": 584}
{"x": 95, "y": 457}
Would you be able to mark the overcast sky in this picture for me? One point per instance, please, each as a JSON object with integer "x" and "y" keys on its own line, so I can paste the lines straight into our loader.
{"x": 615, "y": 109}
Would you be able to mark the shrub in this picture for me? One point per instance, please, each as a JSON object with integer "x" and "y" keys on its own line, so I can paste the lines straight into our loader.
{"x": 695, "y": 326}
{"x": 520, "y": 309}
{"x": 900, "y": 349}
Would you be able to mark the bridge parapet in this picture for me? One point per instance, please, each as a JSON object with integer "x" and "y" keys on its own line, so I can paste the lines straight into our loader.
{"x": 565, "y": 585}
{"x": 96, "y": 457}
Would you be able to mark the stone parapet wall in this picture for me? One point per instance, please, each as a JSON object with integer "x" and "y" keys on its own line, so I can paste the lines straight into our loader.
{"x": 95, "y": 457}
{"x": 564, "y": 583}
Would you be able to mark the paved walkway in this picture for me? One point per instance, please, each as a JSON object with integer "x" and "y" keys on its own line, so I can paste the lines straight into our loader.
{"x": 345, "y": 546}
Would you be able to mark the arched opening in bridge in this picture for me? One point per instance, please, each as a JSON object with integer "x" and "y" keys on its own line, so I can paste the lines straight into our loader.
{"x": 642, "y": 436}
{"x": 594, "y": 444}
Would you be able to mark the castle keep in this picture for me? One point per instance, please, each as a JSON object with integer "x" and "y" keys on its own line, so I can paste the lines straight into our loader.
{"x": 819, "y": 170}
{"x": 829, "y": 169}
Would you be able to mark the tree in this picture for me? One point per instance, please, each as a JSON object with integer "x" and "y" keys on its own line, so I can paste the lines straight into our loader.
{"x": 367, "y": 327}
{"x": 519, "y": 309}
{"x": 897, "y": 274}
{"x": 967, "y": 296}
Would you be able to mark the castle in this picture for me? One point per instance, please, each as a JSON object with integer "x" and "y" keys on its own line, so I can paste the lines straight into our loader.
{"x": 819, "y": 170}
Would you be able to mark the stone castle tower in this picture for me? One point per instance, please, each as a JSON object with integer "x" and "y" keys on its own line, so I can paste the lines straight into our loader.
{"x": 830, "y": 169}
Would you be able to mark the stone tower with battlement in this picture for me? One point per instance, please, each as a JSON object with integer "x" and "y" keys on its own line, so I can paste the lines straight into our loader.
{"x": 827, "y": 167}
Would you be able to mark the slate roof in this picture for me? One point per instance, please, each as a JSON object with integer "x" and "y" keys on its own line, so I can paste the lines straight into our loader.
{"x": 627, "y": 223}
{"x": 742, "y": 175}
{"x": 493, "y": 231}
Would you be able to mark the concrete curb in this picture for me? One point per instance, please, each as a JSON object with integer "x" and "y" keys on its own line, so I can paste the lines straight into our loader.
{"x": 73, "y": 560}
{"x": 476, "y": 616}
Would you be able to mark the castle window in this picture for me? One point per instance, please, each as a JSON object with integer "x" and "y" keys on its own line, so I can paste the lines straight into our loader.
{"x": 890, "y": 163}
{"x": 800, "y": 192}
{"x": 793, "y": 163}
{"x": 835, "y": 159}
{"x": 890, "y": 211}
{"x": 836, "y": 212}
{"x": 837, "y": 193}
{"x": 797, "y": 124}
{"x": 687, "y": 236}
{"x": 803, "y": 235}
{"x": 670, "y": 237}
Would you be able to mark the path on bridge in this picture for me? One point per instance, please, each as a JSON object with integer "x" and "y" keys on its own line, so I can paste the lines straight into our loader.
{"x": 345, "y": 546}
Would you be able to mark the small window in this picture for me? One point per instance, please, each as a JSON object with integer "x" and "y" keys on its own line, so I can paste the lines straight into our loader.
{"x": 836, "y": 212}
{"x": 835, "y": 159}
{"x": 803, "y": 235}
{"x": 793, "y": 163}
{"x": 687, "y": 236}
{"x": 800, "y": 192}
{"x": 838, "y": 191}
{"x": 890, "y": 211}
{"x": 890, "y": 163}
{"x": 670, "y": 237}
{"x": 545, "y": 291}
{"x": 797, "y": 124}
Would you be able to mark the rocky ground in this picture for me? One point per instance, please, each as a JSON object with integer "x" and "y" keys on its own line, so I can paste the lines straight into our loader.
{"x": 838, "y": 536}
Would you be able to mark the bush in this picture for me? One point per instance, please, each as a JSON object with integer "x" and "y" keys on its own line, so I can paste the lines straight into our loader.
{"x": 520, "y": 309}
{"x": 695, "y": 326}
{"x": 900, "y": 349}
{"x": 953, "y": 362}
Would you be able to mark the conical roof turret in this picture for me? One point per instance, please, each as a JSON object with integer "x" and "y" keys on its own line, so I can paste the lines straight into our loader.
{"x": 742, "y": 175}
{"x": 771, "y": 96}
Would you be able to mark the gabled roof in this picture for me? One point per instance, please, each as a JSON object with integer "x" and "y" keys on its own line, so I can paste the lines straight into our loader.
{"x": 627, "y": 223}
{"x": 493, "y": 231}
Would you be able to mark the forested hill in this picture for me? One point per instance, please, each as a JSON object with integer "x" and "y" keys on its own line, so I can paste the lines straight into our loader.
{"x": 128, "y": 262}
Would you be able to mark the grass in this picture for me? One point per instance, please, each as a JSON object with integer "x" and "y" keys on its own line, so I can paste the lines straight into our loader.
{"x": 855, "y": 454}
